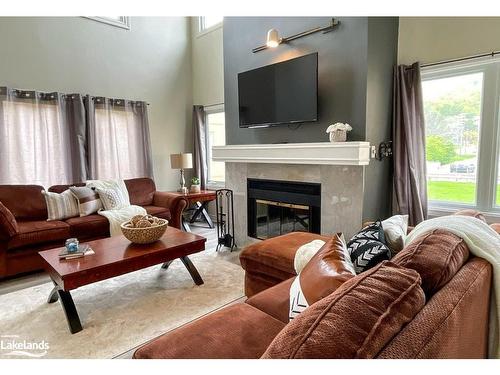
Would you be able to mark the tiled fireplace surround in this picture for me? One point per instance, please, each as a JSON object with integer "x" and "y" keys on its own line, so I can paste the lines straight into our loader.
{"x": 341, "y": 182}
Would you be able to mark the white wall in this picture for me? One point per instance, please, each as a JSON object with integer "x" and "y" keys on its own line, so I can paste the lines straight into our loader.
{"x": 150, "y": 62}
{"x": 431, "y": 39}
{"x": 208, "y": 65}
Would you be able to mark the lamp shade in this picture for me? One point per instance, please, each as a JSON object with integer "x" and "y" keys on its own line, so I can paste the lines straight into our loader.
{"x": 181, "y": 161}
{"x": 273, "y": 39}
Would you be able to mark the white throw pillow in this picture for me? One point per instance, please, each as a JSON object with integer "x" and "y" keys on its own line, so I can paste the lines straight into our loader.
{"x": 395, "y": 229}
{"x": 305, "y": 253}
{"x": 60, "y": 206}
{"x": 119, "y": 198}
{"x": 112, "y": 199}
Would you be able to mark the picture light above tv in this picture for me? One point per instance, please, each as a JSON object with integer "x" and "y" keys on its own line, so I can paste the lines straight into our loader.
{"x": 279, "y": 94}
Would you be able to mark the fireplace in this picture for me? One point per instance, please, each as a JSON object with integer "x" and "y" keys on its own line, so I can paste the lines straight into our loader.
{"x": 279, "y": 207}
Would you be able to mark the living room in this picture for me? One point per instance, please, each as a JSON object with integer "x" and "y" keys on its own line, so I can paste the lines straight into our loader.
{"x": 249, "y": 184}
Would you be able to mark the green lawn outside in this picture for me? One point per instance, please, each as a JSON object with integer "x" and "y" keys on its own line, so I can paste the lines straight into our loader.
{"x": 464, "y": 192}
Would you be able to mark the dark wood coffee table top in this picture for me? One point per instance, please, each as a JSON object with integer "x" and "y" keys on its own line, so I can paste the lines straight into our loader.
{"x": 116, "y": 256}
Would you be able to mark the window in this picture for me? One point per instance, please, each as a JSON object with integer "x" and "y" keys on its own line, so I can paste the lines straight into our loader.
{"x": 34, "y": 144}
{"x": 216, "y": 136}
{"x": 120, "y": 148}
{"x": 207, "y": 22}
{"x": 461, "y": 105}
{"x": 118, "y": 21}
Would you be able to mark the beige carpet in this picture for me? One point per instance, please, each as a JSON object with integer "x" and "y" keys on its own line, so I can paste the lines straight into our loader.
{"x": 121, "y": 313}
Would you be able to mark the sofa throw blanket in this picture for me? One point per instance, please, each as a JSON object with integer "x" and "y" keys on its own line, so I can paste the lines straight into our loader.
{"x": 484, "y": 243}
{"x": 118, "y": 210}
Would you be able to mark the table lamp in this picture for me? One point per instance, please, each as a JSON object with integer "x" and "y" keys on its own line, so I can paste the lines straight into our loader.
{"x": 181, "y": 161}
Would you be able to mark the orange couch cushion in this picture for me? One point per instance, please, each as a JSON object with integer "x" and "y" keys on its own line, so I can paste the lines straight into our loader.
{"x": 141, "y": 191}
{"x": 61, "y": 188}
{"x": 239, "y": 331}
{"x": 39, "y": 232}
{"x": 160, "y": 212}
{"x": 355, "y": 321}
{"x": 274, "y": 301}
{"x": 8, "y": 223}
{"x": 26, "y": 202}
{"x": 327, "y": 270}
{"x": 274, "y": 257}
{"x": 90, "y": 226}
{"x": 436, "y": 256}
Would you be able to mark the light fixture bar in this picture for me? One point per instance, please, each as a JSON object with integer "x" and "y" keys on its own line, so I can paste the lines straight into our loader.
{"x": 324, "y": 29}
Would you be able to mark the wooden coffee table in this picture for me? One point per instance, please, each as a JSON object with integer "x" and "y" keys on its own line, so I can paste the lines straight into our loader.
{"x": 115, "y": 256}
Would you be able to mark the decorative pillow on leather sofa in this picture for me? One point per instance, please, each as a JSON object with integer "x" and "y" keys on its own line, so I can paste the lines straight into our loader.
{"x": 436, "y": 256}
{"x": 395, "y": 230}
{"x": 88, "y": 199}
{"x": 328, "y": 269}
{"x": 60, "y": 206}
{"x": 368, "y": 247}
{"x": 305, "y": 253}
{"x": 355, "y": 321}
{"x": 8, "y": 223}
{"x": 111, "y": 198}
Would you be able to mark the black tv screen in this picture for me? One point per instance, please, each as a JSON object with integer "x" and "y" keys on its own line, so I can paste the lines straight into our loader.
{"x": 282, "y": 93}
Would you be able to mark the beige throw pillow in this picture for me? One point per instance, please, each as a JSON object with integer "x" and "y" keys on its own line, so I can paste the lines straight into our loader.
{"x": 112, "y": 199}
{"x": 88, "y": 199}
{"x": 60, "y": 206}
{"x": 395, "y": 230}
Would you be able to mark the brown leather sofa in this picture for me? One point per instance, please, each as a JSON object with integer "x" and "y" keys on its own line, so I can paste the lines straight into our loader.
{"x": 450, "y": 322}
{"x": 19, "y": 251}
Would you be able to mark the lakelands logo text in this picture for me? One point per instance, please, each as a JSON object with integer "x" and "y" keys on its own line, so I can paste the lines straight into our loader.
{"x": 13, "y": 346}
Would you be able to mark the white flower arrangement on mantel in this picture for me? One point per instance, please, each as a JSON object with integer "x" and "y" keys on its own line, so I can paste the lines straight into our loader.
{"x": 338, "y": 131}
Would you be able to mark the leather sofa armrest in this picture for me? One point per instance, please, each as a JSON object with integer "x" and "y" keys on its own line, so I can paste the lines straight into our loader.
{"x": 8, "y": 224}
{"x": 174, "y": 202}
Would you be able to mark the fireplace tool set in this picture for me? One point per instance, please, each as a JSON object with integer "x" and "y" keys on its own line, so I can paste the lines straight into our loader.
{"x": 225, "y": 219}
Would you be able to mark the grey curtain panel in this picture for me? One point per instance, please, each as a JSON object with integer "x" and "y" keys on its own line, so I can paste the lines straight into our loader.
{"x": 119, "y": 145}
{"x": 200, "y": 145}
{"x": 42, "y": 138}
{"x": 75, "y": 118}
{"x": 410, "y": 186}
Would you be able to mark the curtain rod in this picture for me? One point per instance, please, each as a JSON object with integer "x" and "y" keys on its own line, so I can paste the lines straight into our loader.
{"x": 491, "y": 54}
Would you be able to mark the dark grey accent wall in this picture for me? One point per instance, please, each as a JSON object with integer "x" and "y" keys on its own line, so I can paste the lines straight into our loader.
{"x": 342, "y": 56}
{"x": 382, "y": 56}
{"x": 355, "y": 64}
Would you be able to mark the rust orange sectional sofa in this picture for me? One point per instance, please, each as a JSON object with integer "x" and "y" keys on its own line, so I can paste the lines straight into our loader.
{"x": 430, "y": 301}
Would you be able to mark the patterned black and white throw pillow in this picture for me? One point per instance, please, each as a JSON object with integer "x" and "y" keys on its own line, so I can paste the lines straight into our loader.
{"x": 368, "y": 247}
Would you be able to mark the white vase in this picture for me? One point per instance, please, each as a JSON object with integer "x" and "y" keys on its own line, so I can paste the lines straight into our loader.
{"x": 338, "y": 136}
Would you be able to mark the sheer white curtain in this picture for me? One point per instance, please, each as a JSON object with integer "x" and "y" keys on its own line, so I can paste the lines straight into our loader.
{"x": 119, "y": 144}
{"x": 39, "y": 138}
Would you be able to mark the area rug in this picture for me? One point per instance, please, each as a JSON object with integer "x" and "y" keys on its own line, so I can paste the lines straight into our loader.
{"x": 117, "y": 314}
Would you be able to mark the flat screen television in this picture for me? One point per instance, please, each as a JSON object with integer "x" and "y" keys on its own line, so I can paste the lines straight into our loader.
{"x": 282, "y": 93}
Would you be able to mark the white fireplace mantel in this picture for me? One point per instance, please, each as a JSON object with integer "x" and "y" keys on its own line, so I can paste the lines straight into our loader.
{"x": 324, "y": 153}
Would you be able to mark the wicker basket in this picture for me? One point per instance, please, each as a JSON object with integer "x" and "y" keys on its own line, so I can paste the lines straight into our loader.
{"x": 144, "y": 235}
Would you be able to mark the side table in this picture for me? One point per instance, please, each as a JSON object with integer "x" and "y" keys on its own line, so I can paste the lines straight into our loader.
{"x": 200, "y": 200}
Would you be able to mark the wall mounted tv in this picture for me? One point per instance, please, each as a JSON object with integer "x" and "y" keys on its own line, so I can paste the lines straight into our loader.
{"x": 282, "y": 93}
